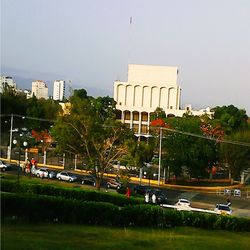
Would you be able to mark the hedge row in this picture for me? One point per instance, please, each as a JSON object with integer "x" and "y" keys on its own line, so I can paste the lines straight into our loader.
{"x": 69, "y": 193}
{"x": 50, "y": 209}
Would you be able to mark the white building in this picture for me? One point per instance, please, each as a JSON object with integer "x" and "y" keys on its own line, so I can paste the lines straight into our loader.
{"x": 7, "y": 81}
{"x": 39, "y": 89}
{"x": 59, "y": 90}
{"x": 147, "y": 88}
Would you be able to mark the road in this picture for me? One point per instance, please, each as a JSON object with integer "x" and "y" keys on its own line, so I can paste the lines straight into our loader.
{"x": 198, "y": 199}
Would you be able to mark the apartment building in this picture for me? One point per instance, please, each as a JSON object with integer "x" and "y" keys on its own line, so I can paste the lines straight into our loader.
{"x": 7, "y": 81}
{"x": 39, "y": 89}
{"x": 59, "y": 90}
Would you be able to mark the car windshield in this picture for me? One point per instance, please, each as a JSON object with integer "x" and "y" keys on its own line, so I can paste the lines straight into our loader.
{"x": 226, "y": 208}
{"x": 184, "y": 201}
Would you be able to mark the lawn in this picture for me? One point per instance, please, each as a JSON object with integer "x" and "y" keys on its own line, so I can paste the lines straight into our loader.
{"x": 61, "y": 236}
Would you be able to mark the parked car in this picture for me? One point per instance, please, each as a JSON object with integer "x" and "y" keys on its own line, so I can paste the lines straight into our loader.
{"x": 45, "y": 173}
{"x": 161, "y": 197}
{"x": 66, "y": 176}
{"x": 88, "y": 179}
{"x": 141, "y": 189}
{"x": 4, "y": 166}
{"x": 223, "y": 209}
{"x": 112, "y": 183}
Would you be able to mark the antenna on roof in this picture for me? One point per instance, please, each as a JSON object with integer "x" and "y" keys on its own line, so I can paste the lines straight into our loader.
{"x": 130, "y": 37}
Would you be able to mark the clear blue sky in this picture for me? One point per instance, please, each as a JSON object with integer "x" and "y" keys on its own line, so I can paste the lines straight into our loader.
{"x": 91, "y": 42}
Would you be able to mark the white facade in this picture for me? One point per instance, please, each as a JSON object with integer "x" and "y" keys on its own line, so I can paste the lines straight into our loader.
{"x": 59, "y": 90}
{"x": 147, "y": 88}
{"x": 39, "y": 89}
{"x": 7, "y": 81}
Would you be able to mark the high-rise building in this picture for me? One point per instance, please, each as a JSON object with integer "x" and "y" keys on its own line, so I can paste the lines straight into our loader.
{"x": 59, "y": 90}
{"x": 7, "y": 81}
{"x": 39, "y": 89}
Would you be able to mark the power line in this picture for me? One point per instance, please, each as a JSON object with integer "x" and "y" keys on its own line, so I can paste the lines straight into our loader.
{"x": 28, "y": 117}
{"x": 245, "y": 144}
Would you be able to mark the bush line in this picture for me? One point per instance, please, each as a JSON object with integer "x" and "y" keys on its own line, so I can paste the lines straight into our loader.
{"x": 69, "y": 193}
{"x": 41, "y": 208}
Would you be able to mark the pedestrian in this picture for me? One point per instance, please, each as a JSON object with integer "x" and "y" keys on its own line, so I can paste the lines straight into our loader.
{"x": 128, "y": 193}
{"x": 153, "y": 198}
{"x": 33, "y": 161}
{"x": 229, "y": 202}
{"x": 146, "y": 197}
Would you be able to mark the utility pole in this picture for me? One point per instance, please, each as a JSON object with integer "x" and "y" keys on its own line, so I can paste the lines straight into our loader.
{"x": 11, "y": 130}
{"x": 159, "y": 170}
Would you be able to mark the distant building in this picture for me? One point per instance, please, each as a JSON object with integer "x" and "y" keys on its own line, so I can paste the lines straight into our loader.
{"x": 7, "y": 81}
{"x": 28, "y": 93}
{"x": 39, "y": 89}
{"x": 59, "y": 90}
{"x": 147, "y": 88}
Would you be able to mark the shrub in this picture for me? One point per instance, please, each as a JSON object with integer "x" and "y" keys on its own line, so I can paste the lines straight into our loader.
{"x": 40, "y": 208}
{"x": 69, "y": 193}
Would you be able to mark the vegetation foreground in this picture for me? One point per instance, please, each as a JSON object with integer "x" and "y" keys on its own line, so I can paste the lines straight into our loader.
{"x": 61, "y": 236}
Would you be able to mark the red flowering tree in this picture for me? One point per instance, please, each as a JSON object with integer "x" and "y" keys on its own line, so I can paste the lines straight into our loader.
{"x": 42, "y": 137}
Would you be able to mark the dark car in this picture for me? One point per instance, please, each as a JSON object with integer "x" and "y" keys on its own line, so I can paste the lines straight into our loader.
{"x": 161, "y": 197}
{"x": 141, "y": 189}
{"x": 4, "y": 166}
{"x": 89, "y": 180}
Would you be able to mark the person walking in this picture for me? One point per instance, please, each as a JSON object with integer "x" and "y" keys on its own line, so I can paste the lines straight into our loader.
{"x": 153, "y": 198}
{"x": 128, "y": 193}
{"x": 146, "y": 197}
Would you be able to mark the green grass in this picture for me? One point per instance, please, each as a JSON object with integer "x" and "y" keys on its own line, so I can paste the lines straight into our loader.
{"x": 54, "y": 182}
{"x": 61, "y": 236}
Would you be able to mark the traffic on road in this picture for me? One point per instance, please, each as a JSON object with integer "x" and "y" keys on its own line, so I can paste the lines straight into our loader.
{"x": 169, "y": 198}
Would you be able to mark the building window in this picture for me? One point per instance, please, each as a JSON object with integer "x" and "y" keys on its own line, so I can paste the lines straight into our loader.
{"x": 135, "y": 128}
{"x": 135, "y": 116}
{"x": 144, "y": 116}
{"x": 127, "y": 115}
{"x": 144, "y": 129}
{"x": 118, "y": 114}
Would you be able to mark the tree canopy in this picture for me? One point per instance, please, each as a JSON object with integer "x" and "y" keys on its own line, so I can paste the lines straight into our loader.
{"x": 91, "y": 131}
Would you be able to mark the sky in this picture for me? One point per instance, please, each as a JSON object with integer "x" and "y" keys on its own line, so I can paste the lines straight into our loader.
{"x": 91, "y": 43}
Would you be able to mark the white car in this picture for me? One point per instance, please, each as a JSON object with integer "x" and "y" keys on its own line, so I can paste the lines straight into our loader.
{"x": 4, "y": 166}
{"x": 237, "y": 193}
{"x": 45, "y": 173}
{"x": 223, "y": 209}
{"x": 183, "y": 204}
{"x": 66, "y": 176}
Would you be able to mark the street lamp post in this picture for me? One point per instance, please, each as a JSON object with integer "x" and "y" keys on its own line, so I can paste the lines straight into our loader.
{"x": 15, "y": 142}
{"x": 11, "y": 130}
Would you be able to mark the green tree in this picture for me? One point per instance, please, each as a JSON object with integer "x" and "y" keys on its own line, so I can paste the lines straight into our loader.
{"x": 230, "y": 118}
{"x": 12, "y": 102}
{"x": 42, "y": 109}
{"x": 180, "y": 148}
{"x": 98, "y": 138}
{"x": 159, "y": 113}
{"x": 236, "y": 157}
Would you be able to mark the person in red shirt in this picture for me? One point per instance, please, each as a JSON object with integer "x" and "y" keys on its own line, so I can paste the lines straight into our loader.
{"x": 128, "y": 193}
